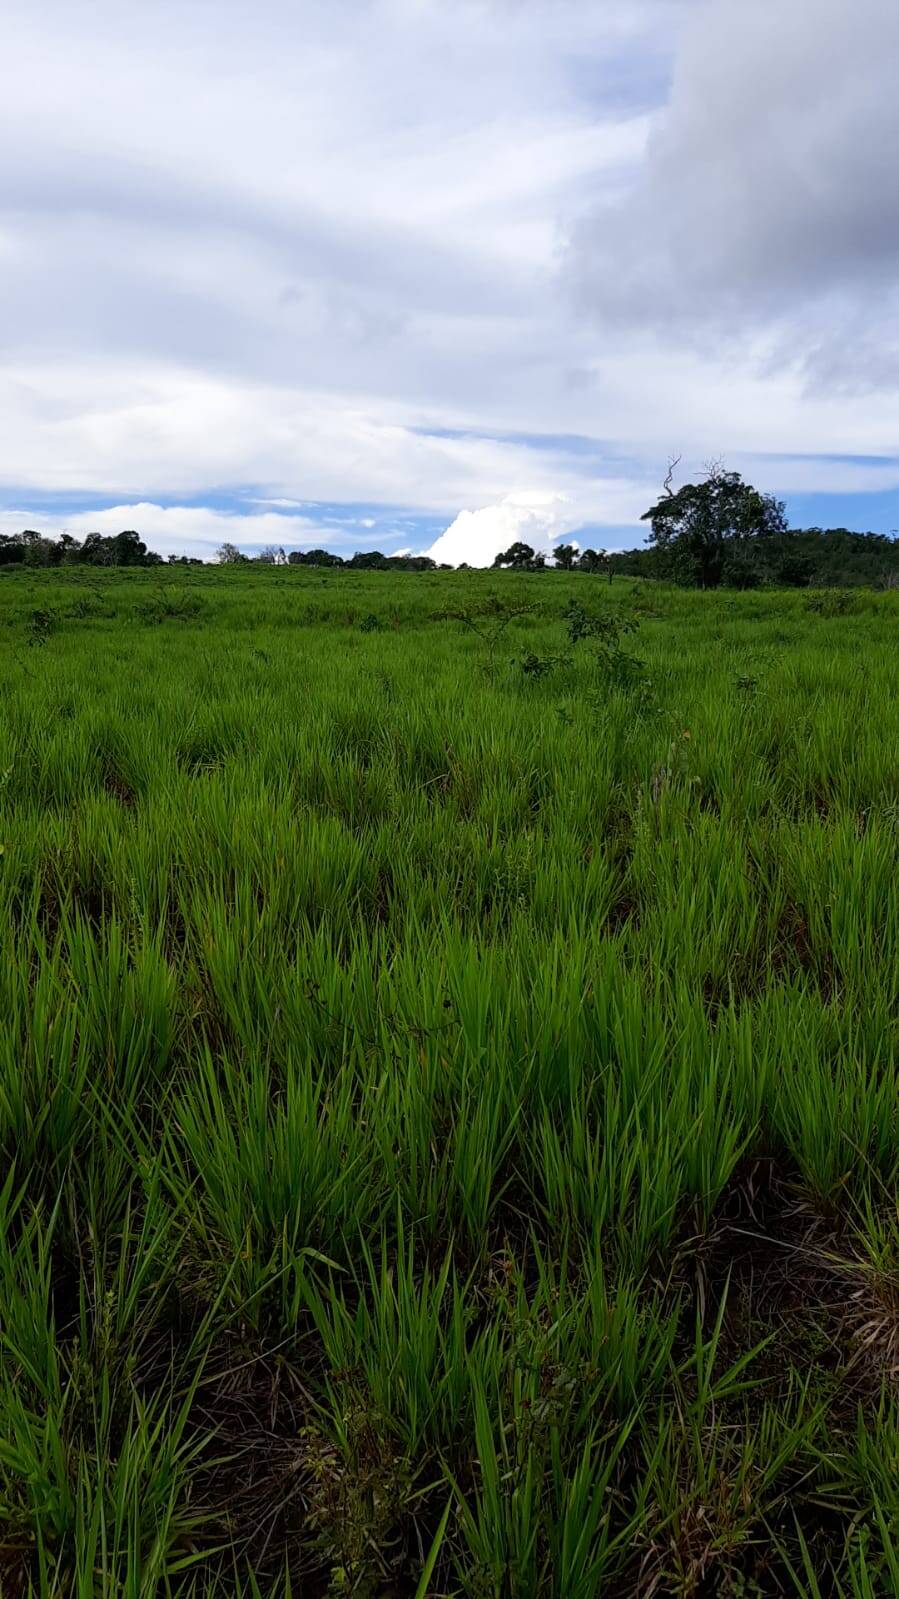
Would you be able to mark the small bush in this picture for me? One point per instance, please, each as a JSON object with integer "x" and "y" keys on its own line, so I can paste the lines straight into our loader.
{"x": 615, "y": 665}
{"x": 537, "y": 666}
{"x": 41, "y": 624}
{"x": 833, "y": 602}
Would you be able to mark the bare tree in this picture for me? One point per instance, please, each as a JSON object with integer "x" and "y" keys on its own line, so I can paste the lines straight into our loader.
{"x": 673, "y": 463}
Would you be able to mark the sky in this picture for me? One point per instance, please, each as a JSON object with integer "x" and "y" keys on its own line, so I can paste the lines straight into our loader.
{"x": 431, "y": 276}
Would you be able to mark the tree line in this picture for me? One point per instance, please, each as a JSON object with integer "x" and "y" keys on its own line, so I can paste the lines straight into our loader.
{"x": 813, "y": 557}
{"x": 719, "y": 532}
{"x": 518, "y": 557}
{"x": 722, "y": 532}
{"x": 117, "y": 549}
{"x": 362, "y": 561}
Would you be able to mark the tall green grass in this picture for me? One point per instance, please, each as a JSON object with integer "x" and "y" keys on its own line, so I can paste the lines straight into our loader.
{"x": 448, "y": 1112}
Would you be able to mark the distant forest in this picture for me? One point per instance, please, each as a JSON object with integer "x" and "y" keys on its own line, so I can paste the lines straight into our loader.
{"x": 813, "y": 557}
{"x": 795, "y": 558}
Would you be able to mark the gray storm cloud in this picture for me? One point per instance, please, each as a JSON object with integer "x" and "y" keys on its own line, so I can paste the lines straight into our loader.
{"x": 768, "y": 196}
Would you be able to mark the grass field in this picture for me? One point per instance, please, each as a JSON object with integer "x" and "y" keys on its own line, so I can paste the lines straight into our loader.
{"x": 448, "y": 1107}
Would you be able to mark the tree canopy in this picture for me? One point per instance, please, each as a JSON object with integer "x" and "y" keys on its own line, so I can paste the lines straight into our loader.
{"x": 702, "y": 526}
{"x": 520, "y": 557}
{"x": 30, "y": 548}
{"x": 593, "y": 561}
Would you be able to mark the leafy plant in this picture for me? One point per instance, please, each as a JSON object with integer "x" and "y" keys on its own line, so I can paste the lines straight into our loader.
{"x": 40, "y": 626}
{"x": 490, "y": 623}
{"x": 537, "y": 666}
{"x": 833, "y": 602}
{"x": 616, "y": 665}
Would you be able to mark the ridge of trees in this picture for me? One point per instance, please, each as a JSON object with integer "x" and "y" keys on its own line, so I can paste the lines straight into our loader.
{"x": 117, "y": 549}
{"x": 812, "y": 557}
{"x": 719, "y": 532}
{"x": 362, "y": 561}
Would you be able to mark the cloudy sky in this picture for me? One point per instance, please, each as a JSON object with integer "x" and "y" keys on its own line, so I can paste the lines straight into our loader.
{"x": 434, "y": 274}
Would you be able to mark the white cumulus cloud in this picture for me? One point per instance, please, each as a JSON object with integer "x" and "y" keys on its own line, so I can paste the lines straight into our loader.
{"x": 475, "y": 537}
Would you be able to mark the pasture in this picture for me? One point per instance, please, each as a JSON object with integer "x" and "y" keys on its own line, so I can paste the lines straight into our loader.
{"x": 448, "y": 1087}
